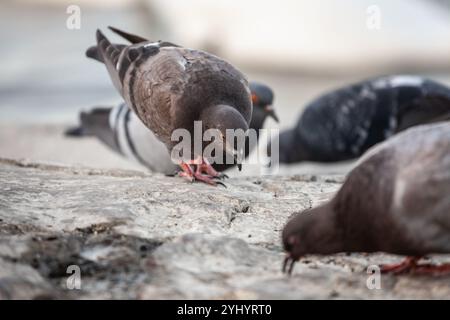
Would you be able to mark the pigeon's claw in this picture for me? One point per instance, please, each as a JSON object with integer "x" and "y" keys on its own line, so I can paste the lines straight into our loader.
{"x": 186, "y": 172}
{"x": 204, "y": 172}
{"x": 410, "y": 264}
{"x": 203, "y": 166}
{"x": 206, "y": 179}
{"x": 222, "y": 176}
{"x": 430, "y": 269}
{"x": 288, "y": 265}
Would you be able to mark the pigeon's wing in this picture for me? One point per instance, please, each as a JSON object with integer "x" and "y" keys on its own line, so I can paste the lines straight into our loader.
{"x": 168, "y": 87}
{"x": 426, "y": 109}
{"x": 93, "y": 53}
{"x": 96, "y": 122}
{"x": 364, "y": 199}
{"x": 217, "y": 82}
{"x": 419, "y": 101}
{"x": 128, "y": 36}
{"x": 110, "y": 55}
{"x": 404, "y": 184}
{"x": 421, "y": 193}
{"x": 141, "y": 82}
{"x": 171, "y": 89}
{"x": 119, "y": 59}
{"x": 152, "y": 87}
{"x": 342, "y": 124}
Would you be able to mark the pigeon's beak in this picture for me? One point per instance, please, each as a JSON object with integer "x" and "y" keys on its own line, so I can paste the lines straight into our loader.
{"x": 270, "y": 111}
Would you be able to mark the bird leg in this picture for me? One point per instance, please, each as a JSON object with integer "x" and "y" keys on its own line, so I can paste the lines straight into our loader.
{"x": 288, "y": 265}
{"x": 187, "y": 172}
{"x": 432, "y": 269}
{"x": 204, "y": 166}
{"x": 409, "y": 264}
{"x": 204, "y": 171}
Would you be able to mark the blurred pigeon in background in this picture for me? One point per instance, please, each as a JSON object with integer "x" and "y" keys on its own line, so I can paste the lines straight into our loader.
{"x": 343, "y": 124}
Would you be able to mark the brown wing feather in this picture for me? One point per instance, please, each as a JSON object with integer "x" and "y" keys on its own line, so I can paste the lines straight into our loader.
{"x": 169, "y": 90}
{"x": 152, "y": 90}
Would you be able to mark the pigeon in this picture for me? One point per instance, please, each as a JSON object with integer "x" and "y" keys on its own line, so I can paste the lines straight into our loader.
{"x": 171, "y": 88}
{"x": 344, "y": 123}
{"x": 396, "y": 200}
{"x": 121, "y": 130}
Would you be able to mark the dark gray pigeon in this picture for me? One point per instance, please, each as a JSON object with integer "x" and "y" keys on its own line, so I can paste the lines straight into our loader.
{"x": 170, "y": 87}
{"x": 121, "y": 130}
{"x": 396, "y": 201}
{"x": 344, "y": 123}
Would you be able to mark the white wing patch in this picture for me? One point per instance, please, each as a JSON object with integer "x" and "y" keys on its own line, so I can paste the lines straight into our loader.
{"x": 406, "y": 81}
{"x": 398, "y": 81}
{"x": 152, "y": 44}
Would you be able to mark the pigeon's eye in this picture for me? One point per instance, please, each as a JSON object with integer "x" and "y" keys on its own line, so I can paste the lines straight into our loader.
{"x": 255, "y": 99}
{"x": 291, "y": 243}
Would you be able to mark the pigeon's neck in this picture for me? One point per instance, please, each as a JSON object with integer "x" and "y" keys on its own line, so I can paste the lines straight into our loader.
{"x": 322, "y": 235}
{"x": 258, "y": 119}
{"x": 292, "y": 149}
{"x": 216, "y": 112}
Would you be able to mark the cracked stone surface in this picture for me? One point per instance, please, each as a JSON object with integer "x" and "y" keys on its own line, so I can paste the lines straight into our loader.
{"x": 136, "y": 235}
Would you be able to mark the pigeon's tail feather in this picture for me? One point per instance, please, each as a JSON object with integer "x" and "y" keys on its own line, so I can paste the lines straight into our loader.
{"x": 115, "y": 59}
{"x": 95, "y": 123}
{"x": 88, "y": 123}
{"x": 132, "y": 38}
{"x": 95, "y": 118}
{"x": 75, "y": 132}
{"x": 128, "y": 36}
{"x": 92, "y": 52}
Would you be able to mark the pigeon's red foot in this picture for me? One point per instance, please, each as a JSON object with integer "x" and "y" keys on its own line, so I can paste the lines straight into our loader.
{"x": 204, "y": 172}
{"x": 407, "y": 265}
{"x": 431, "y": 269}
{"x": 410, "y": 264}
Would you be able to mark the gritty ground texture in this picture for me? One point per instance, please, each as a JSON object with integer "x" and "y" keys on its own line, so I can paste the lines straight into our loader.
{"x": 142, "y": 236}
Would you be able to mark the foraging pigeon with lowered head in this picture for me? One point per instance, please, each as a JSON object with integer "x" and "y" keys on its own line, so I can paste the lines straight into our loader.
{"x": 396, "y": 201}
{"x": 170, "y": 87}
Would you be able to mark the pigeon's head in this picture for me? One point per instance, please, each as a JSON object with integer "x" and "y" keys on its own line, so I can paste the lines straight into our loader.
{"x": 292, "y": 236}
{"x": 262, "y": 99}
{"x": 228, "y": 132}
{"x": 309, "y": 232}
